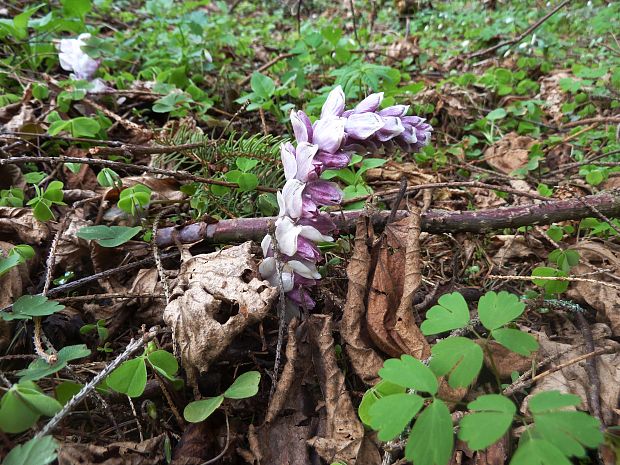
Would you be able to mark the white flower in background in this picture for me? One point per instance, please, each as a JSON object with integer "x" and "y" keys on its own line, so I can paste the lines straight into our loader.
{"x": 74, "y": 59}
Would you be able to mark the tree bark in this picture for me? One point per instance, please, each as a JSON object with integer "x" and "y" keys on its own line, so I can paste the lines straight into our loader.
{"x": 606, "y": 204}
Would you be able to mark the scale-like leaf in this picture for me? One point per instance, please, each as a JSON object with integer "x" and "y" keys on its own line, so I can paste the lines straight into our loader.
{"x": 108, "y": 236}
{"x": 492, "y": 416}
{"x": 409, "y": 372}
{"x": 459, "y": 356}
{"x": 431, "y": 439}
{"x": 390, "y": 415}
{"x": 244, "y": 386}
{"x": 518, "y": 341}
{"x": 39, "y": 451}
{"x": 497, "y": 309}
{"x": 199, "y": 410}
{"x": 129, "y": 378}
{"x": 451, "y": 313}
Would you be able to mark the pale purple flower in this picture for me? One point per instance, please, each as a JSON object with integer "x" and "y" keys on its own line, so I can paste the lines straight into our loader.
{"x": 328, "y": 133}
{"x": 302, "y": 127}
{"x": 73, "y": 58}
{"x": 363, "y": 125}
{"x": 334, "y": 105}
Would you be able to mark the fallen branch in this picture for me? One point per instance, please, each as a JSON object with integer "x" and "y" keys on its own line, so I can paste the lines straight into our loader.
{"x": 433, "y": 221}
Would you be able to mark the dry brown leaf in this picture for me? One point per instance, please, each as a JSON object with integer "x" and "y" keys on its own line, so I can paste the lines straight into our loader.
{"x": 151, "y": 311}
{"x": 604, "y": 299}
{"x": 574, "y": 378}
{"x": 72, "y": 253}
{"x": 509, "y": 153}
{"x": 503, "y": 361}
{"x": 516, "y": 247}
{"x": 21, "y": 224}
{"x": 342, "y": 437}
{"x": 553, "y": 95}
{"x": 11, "y": 176}
{"x": 216, "y": 297}
{"x": 394, "y": 171}
{"x": 365, "y": 361}
{"x": 149, "y": 452}
{"x": 12, "y": 284}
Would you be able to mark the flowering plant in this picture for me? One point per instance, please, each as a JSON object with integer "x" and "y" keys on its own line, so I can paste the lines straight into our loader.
{"x": 327, "y": 144}
{"x": 82, "y": 66}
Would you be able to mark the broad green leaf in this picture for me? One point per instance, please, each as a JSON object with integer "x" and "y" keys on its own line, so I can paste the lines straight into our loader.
{"x": 262, "y": 85}
{"x": 538, "y": 452}
{"x": 84, "y": 127}
{"x": 550, "y": 286}
{"x": 518, "y": 341}
{"x": 39, "y": 368}
{"x": 108, "y": 236}
{"x": 244, "y": 386}
{"x": 42, "y": 210}
{"x": 492, "y": 416}
{"x": 568, "y": 430}
{"x": 431, "y": 438}
{"x": 451, "y": 313}
{"x": 76, "y": 8}
{"x": 496, "y": 114}
{"x": 382, "y": 389}
{"x": 37, "y": 451}
{"x": 9, "y": 262}
{"x": 107, "y": 177}
{"x": 28, "y": 306}
{"x": 409, "y": 372}
{"x": 66, "y": 390}
{"x": 38, "y": 402}
{"x": 498, "y": 309}
{"x": 458, "y": 356}
{"x": 15, "y": 415}
{"x": 390, "y": 415}
{"x": 245, "y": 164}
{"x": 164, "y": 362}
{"x": 129, "y": 378}
{"x": 199, "y": 410}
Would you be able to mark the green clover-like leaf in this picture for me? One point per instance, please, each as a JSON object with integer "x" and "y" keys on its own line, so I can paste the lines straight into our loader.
{"x": 492, "y": 416}
{"x": 39, "y": 451}
{"x": 497, "y": 309}
{"x": 129, "y": 378}
{"x": 390, "y": 415}
{"x": 199, "y": 410}
{"x": 108, "y": 236}
{"x": 244, "y": 386}
{"x": 451, "y": 313}
{"x": 518, "y": 341}
{"x": 409, "y": 372}
{"x": 458, "y": 356}
{"x": 28, "y": 306}
{"x": 431, "y": 438}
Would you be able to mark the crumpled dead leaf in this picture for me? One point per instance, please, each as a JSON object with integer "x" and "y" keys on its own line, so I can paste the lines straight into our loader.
{"x": 574, "y": 378}
{"x": 17, "y": 221}
{"x": 604, "y": 299}
{"x": 390, "y": 325}
{"x": 365, "y": 361}
{"x": 149, "y": 452}
{"x": 216, "y": 297}
{"x": 553, "y": 95}
{"x": 151, "y": 311}
{"x": 342, "y": 436}
{"x": 509, "y": 153}
{"x": 516, "y": 247}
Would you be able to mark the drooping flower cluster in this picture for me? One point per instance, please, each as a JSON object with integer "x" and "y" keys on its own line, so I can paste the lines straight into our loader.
{"x": 73, "y": 58}
{"x": 327, "y": 144}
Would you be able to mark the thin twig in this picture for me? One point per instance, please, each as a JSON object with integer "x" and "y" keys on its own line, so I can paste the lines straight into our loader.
{"x": 221, "y": 454}
{"x": 133, "y": 346}
{"x": 521, "y": 36}
{"x": 595, "y": 353}
{"x": 554, "y": 278}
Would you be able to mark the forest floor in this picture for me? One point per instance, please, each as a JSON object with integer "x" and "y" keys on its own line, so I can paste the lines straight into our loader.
{"x": 475, "y": 279}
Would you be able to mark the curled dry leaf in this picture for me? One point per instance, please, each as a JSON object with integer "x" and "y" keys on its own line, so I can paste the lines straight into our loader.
{"x": 396, "y": 278}
{"x": 19, "y": 222}
{"x": 553, "y": 95}
{"x": 365, "y": 361}
{"x": 216, "y": 297}
{"x": 509, "y": 153}
{"x": 150, "y": 311}
{"x": 394, "y": 171}
{"x": 574, "y": 378}
{"x": 149, "y": 452}
{"x": 604, "y": 299}
{"x": 342, "y": 436}
{"x": 72, "y": 252}
{"x": 515, "y": 247}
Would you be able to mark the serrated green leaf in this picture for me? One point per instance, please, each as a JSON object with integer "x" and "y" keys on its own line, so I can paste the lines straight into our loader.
{"x": 390, "y": 415}
{"x": 129, "y": 378}
{"x": 518, "y": 341}
{"x": 492, "y": 416}
{"x": 458, "y": 356}
{"x": 244, "y": 386}
{"x": 409, "y": 372}
{"x": 498, "y": 309}
{"x": 39, "y": 451}
{"x": 451, "y": 313}
{"x": 164, "y": 362}
{"x": 538, "y": 452}
{"x": 108, "y": 236}
{"x": 431, "y": 439}
{"x": 28, "y": 306}
{"x": 199, "y": 410}
{"x": 382, "y": 389}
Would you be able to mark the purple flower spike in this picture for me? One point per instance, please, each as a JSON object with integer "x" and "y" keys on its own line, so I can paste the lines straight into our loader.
{"x": 328, "y": 144}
